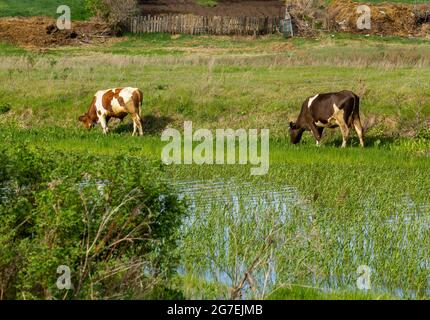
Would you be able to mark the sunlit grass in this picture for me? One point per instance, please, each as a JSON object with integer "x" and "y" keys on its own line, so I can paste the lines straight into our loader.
{"x": 221, "y": 82}
{"x": 26, "y": 8}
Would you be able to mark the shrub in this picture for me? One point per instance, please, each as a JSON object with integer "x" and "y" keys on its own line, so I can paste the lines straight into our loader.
{"x": 112, "y": 221}
{"x": 115, "y": 13}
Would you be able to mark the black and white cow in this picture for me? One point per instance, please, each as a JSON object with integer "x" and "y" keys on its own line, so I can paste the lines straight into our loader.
{"x": 328, "y": 110}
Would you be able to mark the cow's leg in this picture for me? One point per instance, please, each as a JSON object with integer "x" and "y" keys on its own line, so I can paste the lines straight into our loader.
{"x": 104, "y": 123}
{"x": 338, "y": 116}
{"x": 134, "y": 128}
{"x": 316, "y": 132}
{"x": 137, "y": 124}
{"x": 320, "y": 131}
{"x": 359, "y": 129}
{"x": 345, "y": 132}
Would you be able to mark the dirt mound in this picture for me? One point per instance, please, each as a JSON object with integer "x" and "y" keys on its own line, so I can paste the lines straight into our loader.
{"x": 232, "y": 8}
{"x": 42, "y": 32}
{"x": 386, "y": 19}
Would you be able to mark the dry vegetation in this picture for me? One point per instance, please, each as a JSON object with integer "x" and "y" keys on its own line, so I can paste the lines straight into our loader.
{"x": 313, "y": 16}
{"x": 387, "y": 19}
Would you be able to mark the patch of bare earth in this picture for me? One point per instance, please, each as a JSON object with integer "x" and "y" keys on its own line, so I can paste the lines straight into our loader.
{"x": 42, "y": 32}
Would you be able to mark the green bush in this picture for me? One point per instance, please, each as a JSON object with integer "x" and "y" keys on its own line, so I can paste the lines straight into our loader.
{"x": 115, "y": 13}
{"x": 112, "y": 221}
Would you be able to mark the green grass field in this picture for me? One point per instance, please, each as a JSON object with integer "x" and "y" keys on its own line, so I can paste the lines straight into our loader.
{"x": 225, "y": 81}
{"x": 327, "y": 210}
{"x": 28, "y": 8}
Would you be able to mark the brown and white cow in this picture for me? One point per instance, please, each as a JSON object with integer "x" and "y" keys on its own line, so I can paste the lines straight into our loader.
{"x": 328, "y": 110}
{"x": 114, "y": 103}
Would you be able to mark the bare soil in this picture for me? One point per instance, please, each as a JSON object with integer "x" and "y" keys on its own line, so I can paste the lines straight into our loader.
{"x": 41, "y": 32}
{"x": 232, "y": 8}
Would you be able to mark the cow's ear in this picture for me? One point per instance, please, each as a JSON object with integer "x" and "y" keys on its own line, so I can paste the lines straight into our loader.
{"x": 292, "y": 125}
{"x": 82, "y": 118}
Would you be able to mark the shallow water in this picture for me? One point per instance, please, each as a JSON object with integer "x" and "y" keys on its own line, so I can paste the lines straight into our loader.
{"x": 244, "y": 202}
{"x": 205, "y": 195}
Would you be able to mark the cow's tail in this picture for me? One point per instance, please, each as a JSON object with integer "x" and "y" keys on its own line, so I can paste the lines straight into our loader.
{"x": 357, "y": 105}
{"x": 140, "y": 102}
{"x": 356, "y": 108}
{"x": 356, "y": 113}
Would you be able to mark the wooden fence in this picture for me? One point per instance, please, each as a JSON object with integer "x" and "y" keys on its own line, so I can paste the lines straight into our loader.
{"x": 193, "y": 24}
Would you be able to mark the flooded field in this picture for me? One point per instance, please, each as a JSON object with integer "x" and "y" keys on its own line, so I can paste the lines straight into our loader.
{"x": 271, "y": 236}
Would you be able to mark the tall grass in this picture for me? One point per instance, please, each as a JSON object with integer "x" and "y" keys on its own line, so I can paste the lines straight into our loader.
{"x": 312, "y": 224}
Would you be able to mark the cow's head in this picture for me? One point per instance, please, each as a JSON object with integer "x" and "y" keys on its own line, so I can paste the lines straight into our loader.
{"x": 86, "y": 120}
{"x": 295, "y": 133}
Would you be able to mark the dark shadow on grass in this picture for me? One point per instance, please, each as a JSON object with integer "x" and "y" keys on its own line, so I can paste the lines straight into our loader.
{"x": 369, "y": 141}
{"x": 155, "y": 124}
{"x": 123, "y": 127}
{"x": 374, "y": 141}
{"x": 151, "y": 125}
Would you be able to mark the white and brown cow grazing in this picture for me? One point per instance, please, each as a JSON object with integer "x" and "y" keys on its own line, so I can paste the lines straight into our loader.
{"x": 328, "y": 110}
{"x": 114, "y": 103}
